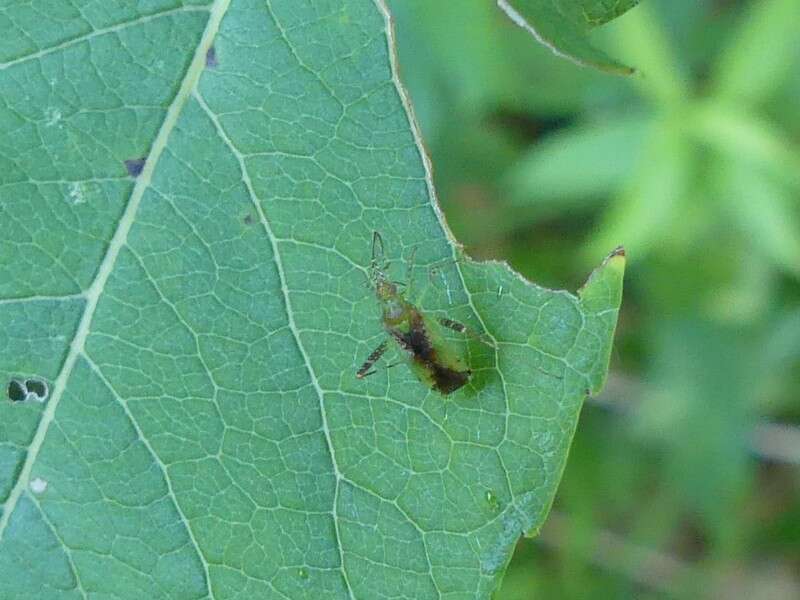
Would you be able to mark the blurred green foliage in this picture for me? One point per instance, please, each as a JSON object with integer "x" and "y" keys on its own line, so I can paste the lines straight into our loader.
{"x": 684, "y": 480}
{"x": 565, "y": 27}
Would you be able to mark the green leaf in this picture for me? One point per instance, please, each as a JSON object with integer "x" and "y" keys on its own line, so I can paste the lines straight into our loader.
{"x": 765, "y": 213}
{"x": 747, "y": 139}
{"x": 651, "y": 209}
{"x": 564, "y": 27}
{"x": 762, "y": 52}
{"x": 455, "y": 70}
{"x": 198, "y": 324}
{"x": 471, "y": 67}
{"x": 580, "y": 164}
{"x": 643, "y": 34}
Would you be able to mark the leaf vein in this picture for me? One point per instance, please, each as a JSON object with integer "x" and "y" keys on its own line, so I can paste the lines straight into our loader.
{"x": 99, "y": 32}
{"x": 162, "y": 467}
{"x": 401, "y": 91}
{"x": 118, "y": 241}
{"x": 290, "y": 317}
{"x": 73, "y": 569}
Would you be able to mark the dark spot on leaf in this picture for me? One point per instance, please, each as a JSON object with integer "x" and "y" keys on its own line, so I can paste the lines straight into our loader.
{"x": 16, "y": 391}
{"x": 135, "y": 166}
{"x": 248, "y": 219}
{"x": 211, "y": 58}
{"x": 39, "y": 388}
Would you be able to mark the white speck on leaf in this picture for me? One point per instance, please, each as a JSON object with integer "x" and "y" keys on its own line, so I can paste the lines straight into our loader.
{"x": 38, "y": 485}
{"x": 53, "y": 116}
{"x": 76, "y": 193}
{"x": 497, "y": 554}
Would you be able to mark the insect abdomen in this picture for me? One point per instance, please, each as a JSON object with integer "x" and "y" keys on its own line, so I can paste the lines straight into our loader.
{"x": 439, "y": 369}
{"x": 447, "y": 380}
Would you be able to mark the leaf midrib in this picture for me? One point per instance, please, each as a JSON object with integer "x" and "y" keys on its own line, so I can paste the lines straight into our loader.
{"x": 118, "y": 241}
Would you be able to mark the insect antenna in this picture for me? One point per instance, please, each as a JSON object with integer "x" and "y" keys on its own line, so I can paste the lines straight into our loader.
{"x": 378, "y": 255}
{"x": 379, "y": 265}
{"x": 377, "y": 246}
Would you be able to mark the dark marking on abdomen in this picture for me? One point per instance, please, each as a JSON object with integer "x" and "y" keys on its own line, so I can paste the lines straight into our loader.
{"x": 416, "y": 342}
{"x": 448, "y": 380}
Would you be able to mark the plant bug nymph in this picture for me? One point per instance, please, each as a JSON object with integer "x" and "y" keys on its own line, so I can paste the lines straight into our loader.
{"x": 435, "y": 362}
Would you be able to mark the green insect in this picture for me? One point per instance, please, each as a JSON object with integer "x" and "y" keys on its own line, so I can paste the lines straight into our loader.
{"x": 436, "y": 363}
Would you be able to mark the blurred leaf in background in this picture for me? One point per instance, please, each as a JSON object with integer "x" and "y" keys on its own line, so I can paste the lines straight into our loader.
{"x": 564, "y": 27}
{"x": 685, "y": 476}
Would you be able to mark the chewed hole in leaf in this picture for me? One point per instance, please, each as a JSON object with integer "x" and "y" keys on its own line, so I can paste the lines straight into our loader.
{"x": 135, "y": 166}
{"x": 30, "y": 389}
{"x": 37, "y": 388}
{"x": 16, "y": 391}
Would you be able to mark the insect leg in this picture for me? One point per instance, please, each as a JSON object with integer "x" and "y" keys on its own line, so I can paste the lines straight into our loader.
{"x": 454, "y": 325}
{"x": 371, "y": 360}
{"x": 410, "y": 272}
{"x": 461, "y": 328}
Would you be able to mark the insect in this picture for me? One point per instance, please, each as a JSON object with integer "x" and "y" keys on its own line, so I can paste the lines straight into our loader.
{"x": 437, "y": 363}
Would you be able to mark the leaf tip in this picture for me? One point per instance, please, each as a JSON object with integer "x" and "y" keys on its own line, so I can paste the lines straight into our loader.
{"x": 618, "y": 251}
{"x": 616, "y": 261}
{"x": 604, "y": 284}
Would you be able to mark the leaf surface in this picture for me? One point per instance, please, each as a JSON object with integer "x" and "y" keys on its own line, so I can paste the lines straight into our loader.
{"x": 564, "y": 26}
{"x": 198, "y": 317}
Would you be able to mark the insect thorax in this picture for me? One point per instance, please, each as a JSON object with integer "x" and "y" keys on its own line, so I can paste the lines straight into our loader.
{"x": 397, "y": 312}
